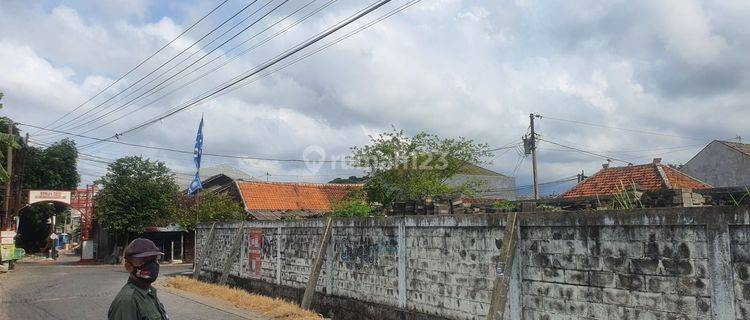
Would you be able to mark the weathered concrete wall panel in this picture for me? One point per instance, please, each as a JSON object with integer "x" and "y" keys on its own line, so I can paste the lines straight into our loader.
{"x": 365, "y": 264}
{"x": 740, "y": 248}
{"x": 450, "y": 270}
{"x": 646, "y": 271}
{"x": 681, "y": 263}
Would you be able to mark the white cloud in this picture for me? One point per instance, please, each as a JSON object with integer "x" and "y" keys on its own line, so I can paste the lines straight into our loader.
{"x": 468, "y": 68}
{"x": 27, "y": 78}
{"x": 686, "y": 31}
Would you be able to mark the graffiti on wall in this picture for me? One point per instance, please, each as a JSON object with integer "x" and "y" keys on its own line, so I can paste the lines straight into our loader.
{"x": 358, "y": 253}
{"x": 268, "y": 248}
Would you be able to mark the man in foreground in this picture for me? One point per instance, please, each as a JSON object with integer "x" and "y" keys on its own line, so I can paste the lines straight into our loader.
{"x": 137, "y": 299}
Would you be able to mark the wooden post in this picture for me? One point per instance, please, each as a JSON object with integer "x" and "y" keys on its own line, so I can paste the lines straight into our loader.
{"x": 198, "y": 264}
{"x": 233, "y": 252}
{"x": 315, "y": 272}
{"x": 504, "y": 270}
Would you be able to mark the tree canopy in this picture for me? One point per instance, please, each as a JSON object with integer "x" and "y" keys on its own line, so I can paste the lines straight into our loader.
{"x": 5, "y": 139}
{"x": 408, "y": 168}
{"x": 350, "y": 180}
{"x": 136, "y": 193}
{"x": 52, "y": 168}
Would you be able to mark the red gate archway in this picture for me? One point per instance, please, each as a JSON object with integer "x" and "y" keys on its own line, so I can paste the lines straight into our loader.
{"x": 82, "y": 200}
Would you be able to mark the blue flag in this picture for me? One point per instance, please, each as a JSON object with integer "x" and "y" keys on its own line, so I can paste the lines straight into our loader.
{"x": 197, "y": 152}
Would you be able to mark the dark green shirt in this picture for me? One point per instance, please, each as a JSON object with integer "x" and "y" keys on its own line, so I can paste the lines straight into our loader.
{"x": 136, "y": 303}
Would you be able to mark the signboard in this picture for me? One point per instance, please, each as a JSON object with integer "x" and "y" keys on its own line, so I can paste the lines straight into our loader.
{"x": 49, "y": 195}
{"x": 7, "y": 237}
{"x": 7, "y": 234}
{"x": 254, "y": 246}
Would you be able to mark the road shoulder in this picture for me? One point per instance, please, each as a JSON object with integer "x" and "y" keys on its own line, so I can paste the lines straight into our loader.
{"x": 211, "y": 302}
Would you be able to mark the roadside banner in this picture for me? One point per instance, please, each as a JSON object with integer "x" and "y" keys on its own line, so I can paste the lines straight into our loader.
{"x": 254, "y": 247}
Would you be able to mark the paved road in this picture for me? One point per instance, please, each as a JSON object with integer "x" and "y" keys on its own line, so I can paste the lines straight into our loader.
{"x": 68, "y": 291}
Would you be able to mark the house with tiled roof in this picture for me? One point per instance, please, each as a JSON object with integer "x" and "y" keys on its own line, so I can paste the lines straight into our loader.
{"x": 184, "y": 179}
{"x": 273, "y": 200}
{"x": 491, "y": 184}
{"x": 722, "y": 164}
{"x": 647, "y": 177}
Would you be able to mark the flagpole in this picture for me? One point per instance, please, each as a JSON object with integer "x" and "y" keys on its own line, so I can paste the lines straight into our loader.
{"x": 194, "y": 190}
{"x": 195, "y": 232}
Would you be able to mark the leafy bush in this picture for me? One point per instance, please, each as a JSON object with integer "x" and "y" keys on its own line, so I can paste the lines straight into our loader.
{"x": 404, "y": 168}
{"x": 353, "y": 208}
{"x": 354, "y": 204}
{"x": 503, "y": 204}
{"x": 626, "y": 197}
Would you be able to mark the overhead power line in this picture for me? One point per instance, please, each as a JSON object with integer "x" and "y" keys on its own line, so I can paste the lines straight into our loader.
{"x": 180, "y": 151}
{"x": 586, "y": 152}
{"x": 138, "y": 65}
{"x": 531, "y": 186}
{"x": 620, "y": 128}
{"x": 224, "y": 63}
{"x": 161, "y": 84}
{"x": 259, "y": 69}
{"x": 168, "y": 149}
{"x": 162, "y": 65}
{"x": 93, "y": 160}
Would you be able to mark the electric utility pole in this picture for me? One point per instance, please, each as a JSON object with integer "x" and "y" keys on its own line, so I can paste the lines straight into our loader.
{"x": 532, "y": 147}
{"x": 9, "y": 183}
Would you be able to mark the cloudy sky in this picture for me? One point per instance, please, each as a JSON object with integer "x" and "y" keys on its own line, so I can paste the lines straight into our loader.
{"x": 672, "y": 75}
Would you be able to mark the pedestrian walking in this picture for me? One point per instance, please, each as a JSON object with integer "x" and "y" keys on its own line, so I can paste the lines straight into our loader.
{"x": 137, "y": 299}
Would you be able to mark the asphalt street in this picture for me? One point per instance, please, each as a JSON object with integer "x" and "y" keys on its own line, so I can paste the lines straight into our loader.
{"x": 65, "y": 290}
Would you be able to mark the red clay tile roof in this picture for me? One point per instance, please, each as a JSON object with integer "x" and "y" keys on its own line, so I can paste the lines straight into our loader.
{"x": 647, "y": 177}
{"x": 276, "y": 215}
{"x": 283, "y": 196}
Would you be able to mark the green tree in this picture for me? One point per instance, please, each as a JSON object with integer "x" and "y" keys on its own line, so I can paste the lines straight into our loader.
{"x": 136, "y": 193}
{"x": 350, "y": 180}
{"x": 409, "y": 168}
{"x": 5, "y": 139}
{"x": 34, "y": 229}
{"x": 354, "y": 204}
{"x": 209, "y": 207}
{"x": 52, "y": 168}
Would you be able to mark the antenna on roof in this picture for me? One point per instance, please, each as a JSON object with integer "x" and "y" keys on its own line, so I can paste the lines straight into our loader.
{"x": 581, "y": 176}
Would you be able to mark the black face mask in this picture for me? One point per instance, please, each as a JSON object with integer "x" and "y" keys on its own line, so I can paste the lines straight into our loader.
{"x": 147, "y": 272}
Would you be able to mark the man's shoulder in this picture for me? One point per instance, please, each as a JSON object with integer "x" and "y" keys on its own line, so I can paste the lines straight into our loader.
{"x": 124, "y": 306}
{"x": 125, "y": 297}
{"x": 127, "y": 291}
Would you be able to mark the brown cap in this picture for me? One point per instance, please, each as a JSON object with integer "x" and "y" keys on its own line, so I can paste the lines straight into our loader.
{"x": 140, "y": 248}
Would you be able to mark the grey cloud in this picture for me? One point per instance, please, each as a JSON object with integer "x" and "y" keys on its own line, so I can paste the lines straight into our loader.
{"x": 469, "y": 68}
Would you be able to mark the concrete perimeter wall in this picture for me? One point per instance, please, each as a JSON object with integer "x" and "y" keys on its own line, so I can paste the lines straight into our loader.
{"x": 674, "y": 263}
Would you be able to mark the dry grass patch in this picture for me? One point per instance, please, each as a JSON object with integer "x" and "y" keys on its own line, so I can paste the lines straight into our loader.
{"x": 272, "y": 307}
